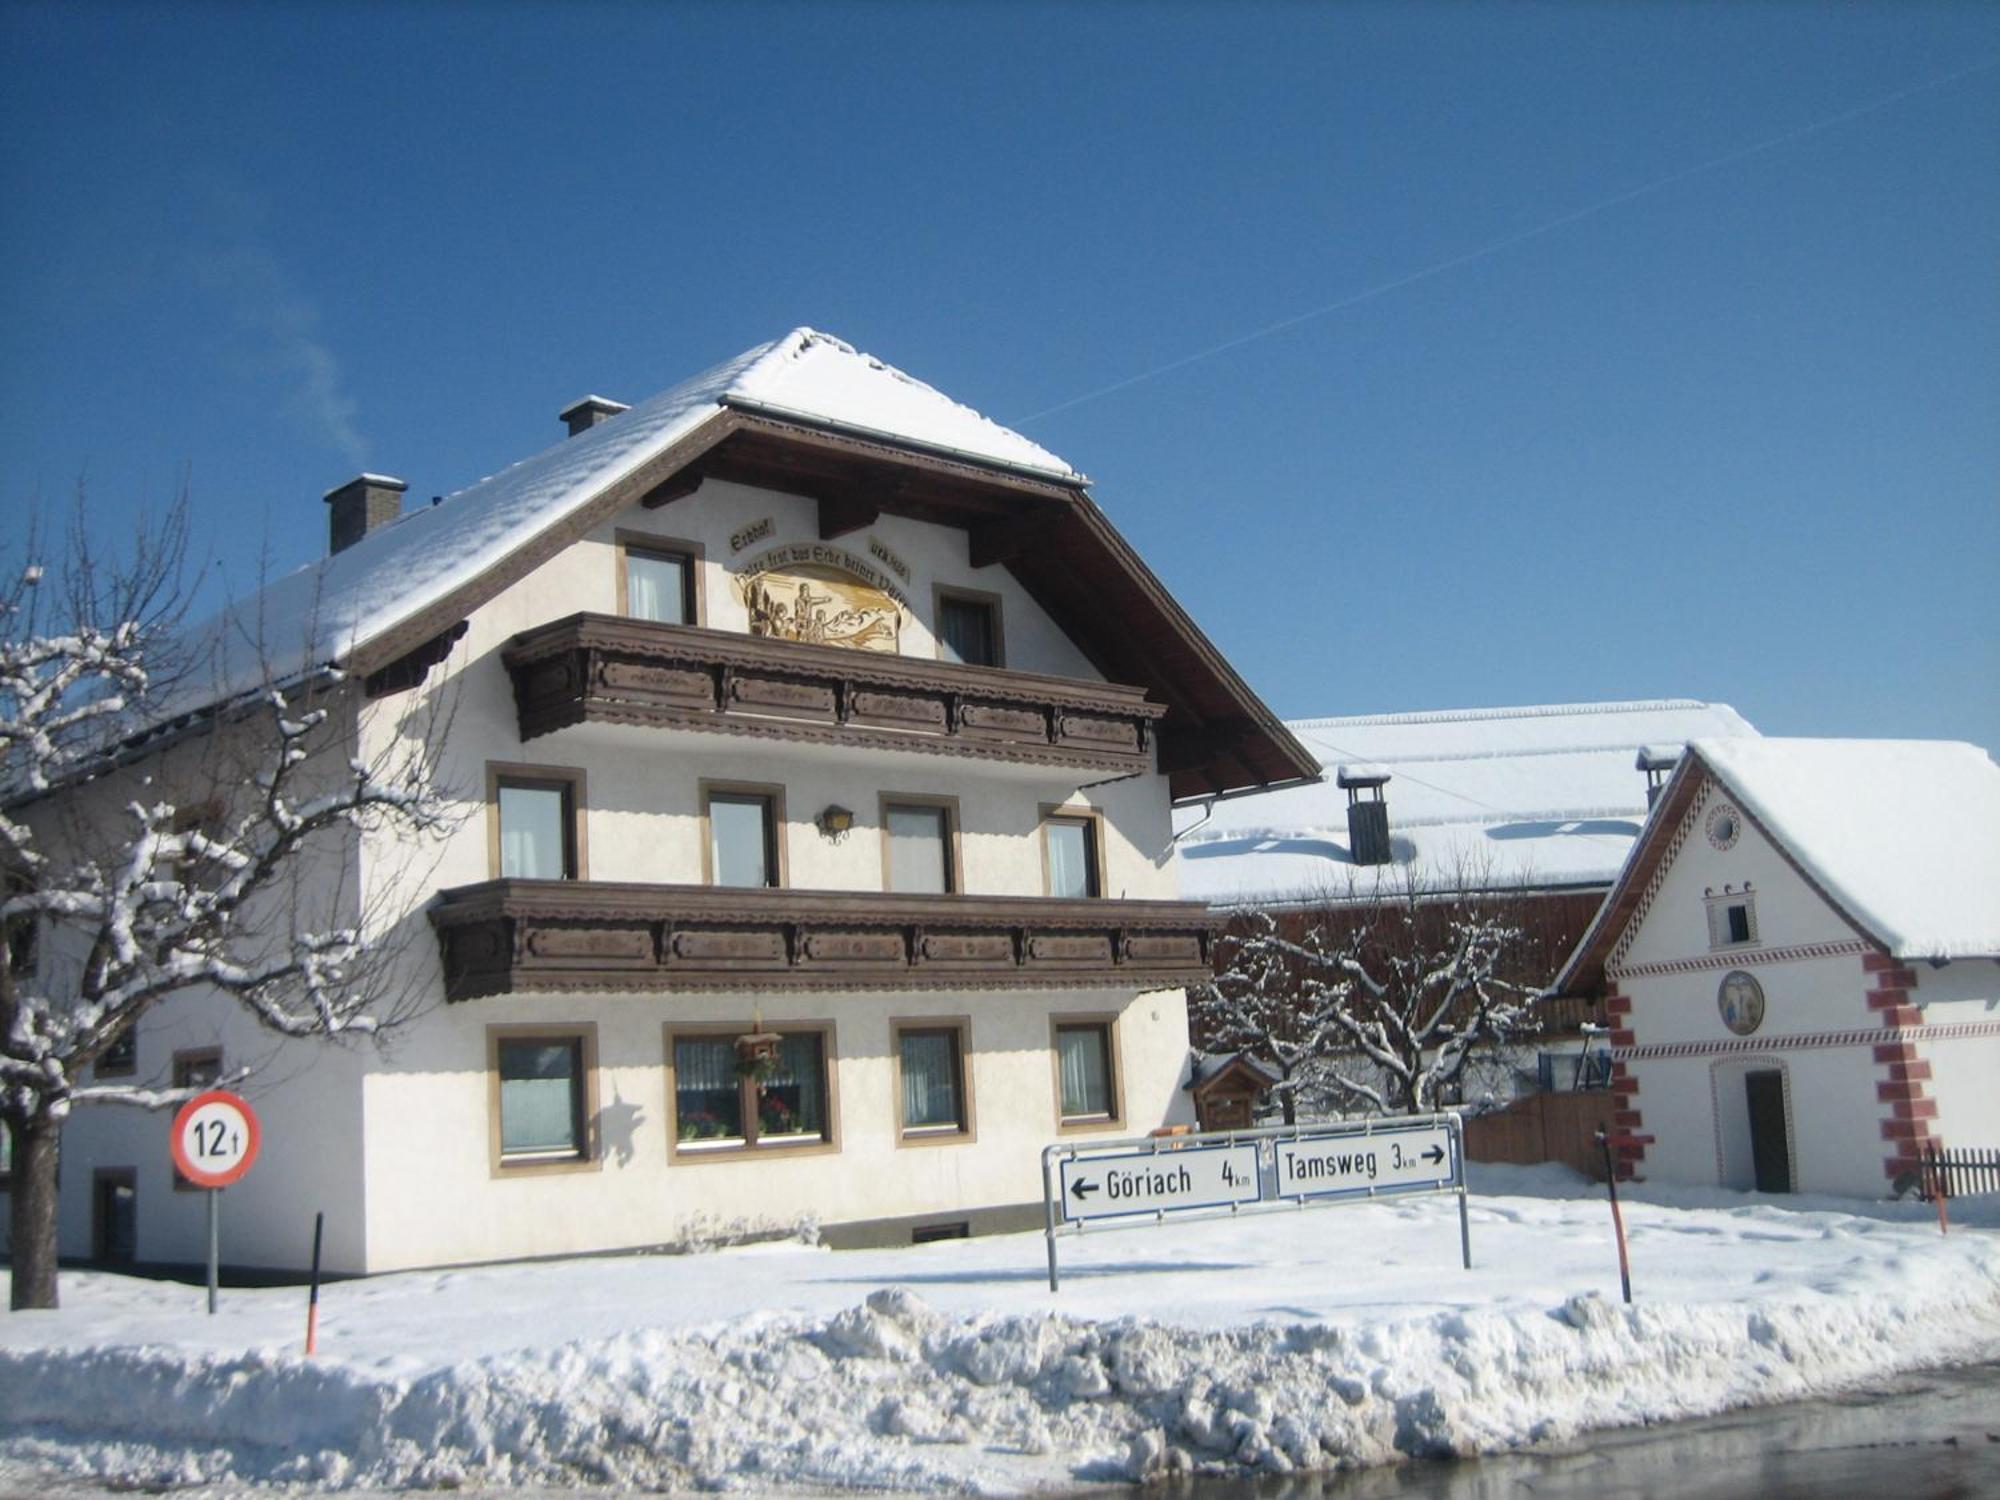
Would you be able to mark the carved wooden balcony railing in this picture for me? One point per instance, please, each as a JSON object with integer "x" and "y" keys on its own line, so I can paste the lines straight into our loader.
{"x": 537, "y": 936}
{"x": 605, "y": 669}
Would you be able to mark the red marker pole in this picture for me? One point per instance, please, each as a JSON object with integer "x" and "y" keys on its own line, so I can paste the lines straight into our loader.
{"x": 312, "y": 1301}
{"x": 1934, "y": 1180}
{"x": 1617, "y": 1218}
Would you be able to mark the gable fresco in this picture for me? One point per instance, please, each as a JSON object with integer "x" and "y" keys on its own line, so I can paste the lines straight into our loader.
{"x": 823, "y": 596}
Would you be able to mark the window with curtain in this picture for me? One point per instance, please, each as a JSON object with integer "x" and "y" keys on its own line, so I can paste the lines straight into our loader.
{"x": 708, "y": 1094}
{"x": 659, "y": 585}
{"x": 1072, "y": 851}
{"x": 1083, "y": 1063}
{"x": 919, "y": 848}
{"x": 968, "y": 631}
{"x": 742, "y": 843}
{"x": 933, "y": 1092}
{"x": 716, "y": 1105}
{"x": 537, "y": 840}
{"x": 541, "y": 1098}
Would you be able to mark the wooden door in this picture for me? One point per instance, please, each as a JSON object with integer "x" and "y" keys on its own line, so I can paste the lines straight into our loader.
{"x": 1770, "y": 1147}
{"x": 114, "y": 1229}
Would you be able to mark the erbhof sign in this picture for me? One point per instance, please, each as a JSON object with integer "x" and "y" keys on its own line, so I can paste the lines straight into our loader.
{"x": 1133, "y": 1183}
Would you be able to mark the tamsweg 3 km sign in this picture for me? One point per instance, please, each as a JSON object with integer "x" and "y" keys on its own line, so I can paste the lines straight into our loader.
{"x": 1131, "y": 1183}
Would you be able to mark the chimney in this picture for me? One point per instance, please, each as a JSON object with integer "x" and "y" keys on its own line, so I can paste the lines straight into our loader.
{"x": 586, "y": 413}
{"x": 1367, "y": 813}
{"x": 1658, "y": 762}
{"x": 364, "y": 503}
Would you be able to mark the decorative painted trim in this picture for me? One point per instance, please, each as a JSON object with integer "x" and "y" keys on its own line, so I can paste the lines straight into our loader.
{"x": 1690, "y": 820}
{"x": 1901, "y": 1094}
{"x": 1873, "y": 1036}
{"x": 1735, "y": 958}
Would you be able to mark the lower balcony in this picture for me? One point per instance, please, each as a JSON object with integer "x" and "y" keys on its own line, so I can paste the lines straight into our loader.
{"x": 540, "y": 936}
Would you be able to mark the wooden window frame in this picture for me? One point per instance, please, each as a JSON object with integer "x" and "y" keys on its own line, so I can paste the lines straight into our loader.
{"x": 105, "y": 1068}
{"x": 696, "y": 601}
{"x": 590, "y": 1156}
{"x": 774, "y": 799}
{"x": 574, "y": 784}
{"x": 992, "y": 602}
{"x": 1074, "y": 814}
{"x": 1108, "y": 1022}
{"x": 954, "y": 850}
{"x": 959, "y": 1028}
{"x": 750, "y": 1147}
{"x": 182, "y": 1059}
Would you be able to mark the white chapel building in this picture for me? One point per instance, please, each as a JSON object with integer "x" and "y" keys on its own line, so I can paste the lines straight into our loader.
{"x": 1802, "y": 963}
{"x": 817, "y": 742}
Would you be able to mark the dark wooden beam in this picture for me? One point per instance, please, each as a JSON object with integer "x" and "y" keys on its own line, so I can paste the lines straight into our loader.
{"x": 842, "y": 510}
{"x": 1005, "y": 538}
{"x": 1183, "y": 749}
{"x": 677, "y": 487}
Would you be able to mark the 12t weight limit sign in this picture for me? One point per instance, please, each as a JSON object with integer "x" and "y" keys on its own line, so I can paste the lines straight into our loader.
{"x": 215, "y": 1138}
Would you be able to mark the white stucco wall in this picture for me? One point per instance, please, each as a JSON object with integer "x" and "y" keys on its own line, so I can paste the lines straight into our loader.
{"x": 1965, "y": 1070}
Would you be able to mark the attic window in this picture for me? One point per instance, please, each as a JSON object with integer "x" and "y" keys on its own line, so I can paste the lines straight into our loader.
{"x": 1732, "y": 918}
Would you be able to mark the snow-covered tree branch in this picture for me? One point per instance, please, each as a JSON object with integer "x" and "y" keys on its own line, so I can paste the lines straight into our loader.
{"x": 138, "y": 870}
{"x": 1378, "y": 1000}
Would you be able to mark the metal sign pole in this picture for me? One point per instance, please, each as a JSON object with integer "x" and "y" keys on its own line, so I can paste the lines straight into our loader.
{"x": 214, "y": 1244}
{"x": 1049, "y": 1216}
{"x": 1464, "y": 1219}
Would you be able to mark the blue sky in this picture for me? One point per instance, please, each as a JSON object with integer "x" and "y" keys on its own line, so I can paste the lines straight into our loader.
{"x": 1662, "y": 358}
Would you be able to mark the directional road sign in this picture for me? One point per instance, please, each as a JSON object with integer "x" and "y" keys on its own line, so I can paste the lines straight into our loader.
{"x": 1387, "y": 1159}
{"x": 1145, "y": 1181}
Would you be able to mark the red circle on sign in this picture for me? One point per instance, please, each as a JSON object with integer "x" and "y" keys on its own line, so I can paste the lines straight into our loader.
{"x": 253, "y": 1135}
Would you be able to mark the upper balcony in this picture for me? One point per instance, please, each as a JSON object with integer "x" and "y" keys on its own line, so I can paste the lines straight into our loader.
{"x": 606, "y": 669}
{"x": 542, "y": 936}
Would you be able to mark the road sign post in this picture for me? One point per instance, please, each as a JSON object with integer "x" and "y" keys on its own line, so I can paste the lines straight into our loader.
{"x": 1151, "y": 1180}
{"x": 213, "y": 1142}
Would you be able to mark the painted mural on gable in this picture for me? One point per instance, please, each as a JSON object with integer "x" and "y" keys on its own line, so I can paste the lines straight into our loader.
{"x": 824, "y": 596}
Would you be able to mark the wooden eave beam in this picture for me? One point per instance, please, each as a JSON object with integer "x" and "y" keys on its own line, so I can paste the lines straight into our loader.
{"x": 1004, "y": 538}
{"x": 676, "y": 487}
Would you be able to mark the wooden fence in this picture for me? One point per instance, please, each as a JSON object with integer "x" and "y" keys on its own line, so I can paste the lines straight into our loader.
{"x": 1955, "y": 1174}
{"x": 1544, "y": 1127}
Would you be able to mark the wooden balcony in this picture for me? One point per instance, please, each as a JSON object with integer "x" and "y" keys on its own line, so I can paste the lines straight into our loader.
{"x": 604, "y": 669}
{"x": 542, "y": 936}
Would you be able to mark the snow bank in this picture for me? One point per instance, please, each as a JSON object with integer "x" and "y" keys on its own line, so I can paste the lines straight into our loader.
{"x": 902, "y": 1390}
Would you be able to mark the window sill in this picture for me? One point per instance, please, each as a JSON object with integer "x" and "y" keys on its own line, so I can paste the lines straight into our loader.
{"x": 1076, "y": 1124}
{"x": 694, "y": 1152}
{"x": 543, "y": 1166}
{"x": 935, "y": 1135}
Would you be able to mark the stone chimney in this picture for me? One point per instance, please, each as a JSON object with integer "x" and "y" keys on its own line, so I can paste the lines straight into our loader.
{"x": 584, "y": 414}
{"x": 1367, "y": 813}
{"x": 359, "y": 506}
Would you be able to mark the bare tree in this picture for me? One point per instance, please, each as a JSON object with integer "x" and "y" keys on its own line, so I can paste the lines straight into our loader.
{"x": 146, "y": 860}
{"x": 1382, "y": 1001}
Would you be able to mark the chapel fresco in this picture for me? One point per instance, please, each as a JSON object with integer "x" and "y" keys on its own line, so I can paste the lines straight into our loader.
{"x": 823, "y": 597}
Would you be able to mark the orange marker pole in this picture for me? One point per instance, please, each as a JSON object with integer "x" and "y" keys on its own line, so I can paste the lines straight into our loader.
{"x": 1934, "y": 1179}
{"x": 312, "y": 1302}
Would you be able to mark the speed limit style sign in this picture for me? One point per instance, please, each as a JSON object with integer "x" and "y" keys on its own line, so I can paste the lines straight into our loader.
{"x": 215, "y": 1138}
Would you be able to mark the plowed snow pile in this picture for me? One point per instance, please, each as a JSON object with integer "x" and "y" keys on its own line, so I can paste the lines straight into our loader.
{"x": 1301, "y": 1340}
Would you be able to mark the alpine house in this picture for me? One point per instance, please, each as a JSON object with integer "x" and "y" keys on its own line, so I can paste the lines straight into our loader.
{"x": 817, "y": 741}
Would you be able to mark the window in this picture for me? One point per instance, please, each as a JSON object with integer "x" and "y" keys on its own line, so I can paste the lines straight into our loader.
{"x": 204, "y": 818}
{"x": 935, "y": 1101}
{"x": 1732, "y": 919}
{"x": 722, "y": 1103}
{"x": 122, "y": 1056}
{"x": 659, "y": 579}
{"x": 1070, "y": 849}
{"x": 114, "y": 1215}
{"x": 1086, "y": 1079}
{"x": 968, "y": 628}
{"x": 543, "y": 1097}
{"x": 22, "y": 933}
{"x": 742, "y": 845}
{"x": 536, "y": 817}
{"x": 920, "y": 837}
{"x": 199, "y": 1069}
{"x": 6, "y": 1154}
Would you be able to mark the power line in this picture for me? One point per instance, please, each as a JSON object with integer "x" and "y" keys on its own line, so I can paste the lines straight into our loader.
{"x": 1508, "y": 242}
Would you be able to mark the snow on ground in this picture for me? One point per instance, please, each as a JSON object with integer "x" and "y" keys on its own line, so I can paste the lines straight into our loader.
{"x": 1332, "y": 1337}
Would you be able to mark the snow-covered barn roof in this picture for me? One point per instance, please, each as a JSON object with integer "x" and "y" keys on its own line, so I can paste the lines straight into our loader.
{"x": 1502, "y": 798}
{"x": 1902, "y": 838}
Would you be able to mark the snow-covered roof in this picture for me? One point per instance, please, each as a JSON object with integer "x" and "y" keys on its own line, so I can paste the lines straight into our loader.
{"x": 323, "y": 611}
{"x": 1902, "y": 835}
{"x": 1504, "y": 798}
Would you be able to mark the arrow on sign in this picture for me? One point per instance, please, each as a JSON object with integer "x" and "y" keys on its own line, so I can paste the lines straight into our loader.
{"x": 1082, "y": 1188}
{"x": 1434, "y": 1155}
